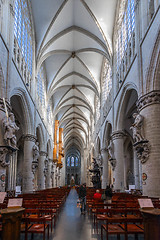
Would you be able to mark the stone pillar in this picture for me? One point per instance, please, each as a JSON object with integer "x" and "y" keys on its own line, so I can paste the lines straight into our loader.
{"x": 149, "y": 108}
{"x": 48, "y": 180}
{"x": 12, "y": 170}
{"x": 28, "y": 176}
{"x": 136, "y": 171}
{"x": 5, "y": 151}
{"x": 118, "y": 174}
{"x": 41, "y": 166}
{"x": 104, "y": 154}
{"x": 52, "y": 174}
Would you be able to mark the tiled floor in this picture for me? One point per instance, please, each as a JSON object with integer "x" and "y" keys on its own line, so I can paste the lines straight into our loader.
{"x": 71, "y": 225}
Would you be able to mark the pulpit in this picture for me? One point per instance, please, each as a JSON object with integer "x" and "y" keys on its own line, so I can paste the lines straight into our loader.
{"x": 11, "y": 223}
{"x": 151, "y": 223}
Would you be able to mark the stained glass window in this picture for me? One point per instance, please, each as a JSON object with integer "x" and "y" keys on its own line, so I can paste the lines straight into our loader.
{"x": 40, "y": 86}
{"x": 97, "y": 108}
{"x": 124, "y": 32}
{"x": 68, "y": 162}
{"x": 22, "y": 32}
{"x": 49, "y": 113}
{"x": 76, "y": 161}
{"x": 72, "y": 161}
{"x": 106, "y": 81}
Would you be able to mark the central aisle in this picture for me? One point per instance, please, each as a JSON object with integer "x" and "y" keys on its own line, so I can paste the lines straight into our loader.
{"x": 71, "y": 224}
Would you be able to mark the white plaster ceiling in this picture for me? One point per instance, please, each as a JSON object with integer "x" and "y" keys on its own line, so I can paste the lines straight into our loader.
{"x": 72, "y": 39}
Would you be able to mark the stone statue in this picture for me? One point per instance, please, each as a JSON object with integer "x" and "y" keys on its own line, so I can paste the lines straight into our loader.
{"x": 35, "y": 157}
{"x": 137, "y": 128}
{"x": 10, "y": 128}
{"x": 111, "y": 150}
{"x": 111, "y": 155}
{"x": 36, "y": 151}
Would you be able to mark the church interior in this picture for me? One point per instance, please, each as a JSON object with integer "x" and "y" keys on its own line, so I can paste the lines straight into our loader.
{"x": 80, "y": 103}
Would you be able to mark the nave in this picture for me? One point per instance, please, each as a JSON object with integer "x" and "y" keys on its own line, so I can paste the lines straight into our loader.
{"x": 71, "y": 225}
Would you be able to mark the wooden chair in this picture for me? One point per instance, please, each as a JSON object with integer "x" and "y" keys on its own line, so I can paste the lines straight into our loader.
{"x": 25, "y": 226}
{"x": 48, "y": 215}
{"x": 113, "y": 227}
{"x": 37, "y": 226}
{"x": 123, "y": 225}
{"x": 133, "y": 226}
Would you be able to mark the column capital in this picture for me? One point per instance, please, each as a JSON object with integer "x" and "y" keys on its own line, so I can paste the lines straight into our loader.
{"x": 42, "y": 153}
{"x": 29, "y": 137}
{"x": 148, "y": 99}
{"x": 118, "y": 134}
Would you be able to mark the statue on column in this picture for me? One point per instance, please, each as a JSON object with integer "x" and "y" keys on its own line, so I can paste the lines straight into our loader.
{"x": 111, "y": 155}
{"x": 10, "y": 128}
{"x": 141, "y": 144}
{"x": 35, "y": 150}
{"x": 137, "y": 128}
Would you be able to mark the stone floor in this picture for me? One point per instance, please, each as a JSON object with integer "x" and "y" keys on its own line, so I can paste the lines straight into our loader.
{"x": 71, "y": 225}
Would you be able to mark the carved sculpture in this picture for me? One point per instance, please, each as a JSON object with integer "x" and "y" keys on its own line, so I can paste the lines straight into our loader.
{"x": 45, "y": 171}
{"x": 111, "y": 155}
{"x": 35, "y": 150}
{"x": 95, "y": 174}
{"x": 141, "y": 144}
{"x": 3, "y": 153}
{"x": 10, "y": 128}
{"x": 137, "y": 128}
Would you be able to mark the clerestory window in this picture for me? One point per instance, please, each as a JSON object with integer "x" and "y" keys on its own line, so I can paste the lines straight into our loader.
{"x": 124, "y": 34}
{"x": 41, "y": 86}
{"x": 106, "y": 81}
{"x": 23, "y": 37}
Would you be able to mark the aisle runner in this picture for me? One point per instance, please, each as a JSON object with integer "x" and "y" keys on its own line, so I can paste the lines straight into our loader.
{"x": 72, "y": 225}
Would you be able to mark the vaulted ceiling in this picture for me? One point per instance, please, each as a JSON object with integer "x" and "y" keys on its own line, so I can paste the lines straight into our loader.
{"x": 72, "y": 39}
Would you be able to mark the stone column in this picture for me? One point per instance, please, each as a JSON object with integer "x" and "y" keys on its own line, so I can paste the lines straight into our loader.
{"x": 48, "y": 180}
{"x": 118, "y": 175}
{"x": 28, "y": 176}
{"x": 149, "y": 108}
{"x": 136, "y": 171}
{"x": 104, "y": 154}
{"x": 41, "y": 166}
{"x": 52, "y": 174}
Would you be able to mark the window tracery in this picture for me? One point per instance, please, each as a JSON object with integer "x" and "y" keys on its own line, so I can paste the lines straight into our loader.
{"x": 106, "y": 81}
{"x": 41, "y": 87}
{"x": 97, "y": 108}
{"x": 49, "y": 112}
{"x": 68, "y": 162}
{"x": 1, "y": 15}
{"x": 125, "y": 38}
{"x": 23, "y": 51}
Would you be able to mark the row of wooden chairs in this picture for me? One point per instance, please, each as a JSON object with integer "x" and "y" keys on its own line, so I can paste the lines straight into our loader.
{"x": 122, "y": 226}
{"x": 121, "y": 217}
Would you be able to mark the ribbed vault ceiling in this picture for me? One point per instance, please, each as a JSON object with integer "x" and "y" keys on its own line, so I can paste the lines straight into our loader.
{"x": 72, "y": 39}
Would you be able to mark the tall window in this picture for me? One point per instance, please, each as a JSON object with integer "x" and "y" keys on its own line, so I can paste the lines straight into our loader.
{"x": 1, "y": 16}
{"x": 41, "y": 86}
{"x": 22, "y": 32}
{"x": 72, "y": 161}
{"x": 68, "y": 162}
{"x": 49, "y": 112}
{"x": 106, "y": 81}
{"x": 97, "y": 108}
{"x": 76, "y": 161}
{"x": 125, "y": 29}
